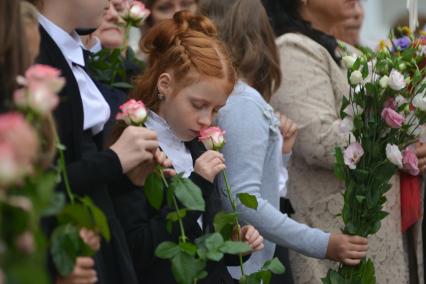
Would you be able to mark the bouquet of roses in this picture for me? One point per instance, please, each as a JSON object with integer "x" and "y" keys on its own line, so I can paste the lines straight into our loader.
{"x": 384, "y": 115}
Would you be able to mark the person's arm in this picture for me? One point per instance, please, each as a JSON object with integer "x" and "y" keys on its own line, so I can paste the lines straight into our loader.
{"x": 94, "y": 169}
{"x": 307, "y": 97}
{"x": 247, "y": 134}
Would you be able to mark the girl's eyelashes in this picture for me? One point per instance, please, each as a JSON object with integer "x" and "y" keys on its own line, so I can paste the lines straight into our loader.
{"x": 197, "y": 106}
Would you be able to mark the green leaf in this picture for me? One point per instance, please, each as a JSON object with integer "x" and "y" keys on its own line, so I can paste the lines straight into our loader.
{"x": 248, "y": 200}
{"x": 274, "y": 265}
{"x": 56, "y": 204}
{"x": 66, "y": 247}
{"x": 167, "y": 250}
{"x": 360, "y": 198}
{"x": 234, "y": 247}
{"x": 122, "y": 85}
{"x": 189, "y": 248}
{"x": 174, "y": 216}
{"x": 186, "y": 268}
{"x": 154, "y": 190}
{"x": 213, "y": 242}
{"x": 76, "y": 214}
{"x": 188, "y": 193}
{"x": 101, "y": 222}
{"x": 222, "y": 219}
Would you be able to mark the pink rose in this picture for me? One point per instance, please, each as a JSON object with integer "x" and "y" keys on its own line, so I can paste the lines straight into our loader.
{"x": 392, "y": 118}
{"x": 212, "y": 138}
{"x": 25, "y": 242}
{"x": 10, "y": 172}
{"x": 45, "y": 76}
{"x": 135, "y": 14}
{"x": 40, "y": 99}
{"x": 40, "y": 87}
{"x": 19, "y": 140}
{"x": 133, "y": 113}
{"x": 410, "y": 162}
{"x": 352, "y": 155}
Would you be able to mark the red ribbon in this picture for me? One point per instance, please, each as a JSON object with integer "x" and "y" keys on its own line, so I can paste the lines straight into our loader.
{"x": 411, "y": 210}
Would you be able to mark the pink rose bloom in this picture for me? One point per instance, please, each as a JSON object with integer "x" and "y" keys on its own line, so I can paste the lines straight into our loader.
{"x": 135, "y": 13}
{"x": 410, "y": 162}
{"x": 21, "y": 137}
{"x": 40, "y": 87}
{"x": 43, "y": 76}
{"x": 10, "y": 172}
{"x": 390, "y": 103}
{"x": 41, "y": 100}
{"x": 25, "y": 242}
{"x": 352, "y": 155}
{"x": 133, "y": 113}
{"x": 392, "y": 118}
{"x": 213, "y": 138}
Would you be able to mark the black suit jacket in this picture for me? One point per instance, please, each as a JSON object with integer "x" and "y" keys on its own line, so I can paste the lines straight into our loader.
{"x": 145, "y": 229}
{"x": 89, "y": 172}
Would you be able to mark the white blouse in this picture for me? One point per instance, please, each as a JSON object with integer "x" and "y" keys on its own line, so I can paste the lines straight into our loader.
{"x": 95, "y": 108}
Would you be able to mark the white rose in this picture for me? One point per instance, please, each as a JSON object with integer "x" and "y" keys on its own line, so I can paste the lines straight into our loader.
{"x": 384, "y": 82}
{"x": 400, "y": 100}
{"x": 394, "y": 155}
{"x": 419, "y": 101}
{"x": 348, "y": 61}
{"x": 356, "y": 77}
{"x": 346, "y": 125}
{"x": 396, "y": 80}
{"x": 353, "y": 109}
{"x": 413, "y": 123}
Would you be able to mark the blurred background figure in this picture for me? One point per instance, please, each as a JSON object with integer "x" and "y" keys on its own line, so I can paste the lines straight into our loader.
{"x": 349, "y": 30}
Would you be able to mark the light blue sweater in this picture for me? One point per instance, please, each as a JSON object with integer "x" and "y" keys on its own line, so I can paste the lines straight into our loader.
{"x": 253, "y": 154}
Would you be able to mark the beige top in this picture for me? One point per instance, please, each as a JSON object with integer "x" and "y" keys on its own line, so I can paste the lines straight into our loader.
{"x": 311, "y": 94}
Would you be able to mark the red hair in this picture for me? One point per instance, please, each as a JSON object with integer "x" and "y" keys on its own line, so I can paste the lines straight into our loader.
{"x": 183, "y": 44}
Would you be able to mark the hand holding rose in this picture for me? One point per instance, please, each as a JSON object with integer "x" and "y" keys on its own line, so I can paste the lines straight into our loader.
{"x": 251, "y": 236}
{"x": 209, "y": 164}
{"x": 289, "y": 132}
{"x": 347, "y": 249}
{"x": 83, "y": 272}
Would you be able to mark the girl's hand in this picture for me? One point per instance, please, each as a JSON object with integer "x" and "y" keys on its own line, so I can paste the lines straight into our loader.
{"x": 347, "y": 249}
{"x": 136, "y": 145}
{"x": 83, "y": 273}
{"x": 251, "y": 236}
{"x": 289, "y": 132}
{"x": 91, "y": 238}
{"x": 139, "y": 174}
{"x": 209, "y": 164}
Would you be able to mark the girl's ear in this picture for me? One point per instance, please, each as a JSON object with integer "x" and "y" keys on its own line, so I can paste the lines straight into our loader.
{"x": 164, "y": 85}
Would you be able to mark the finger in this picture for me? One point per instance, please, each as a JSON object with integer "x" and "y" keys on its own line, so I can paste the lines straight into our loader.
{"x": 351, "y": 262}
{"x": 219, "y": 168}
{"x": 257, "y": 242}
{"x": 169, "y": 172}
{"x": 359, "y": 248}
{"x": 292, "y": 130}
{"x": 357, "y": 240}
{"x": 83, "y": 273}
{"x": 86, "y": 262}
{"x": 150, "y": 145}
{"x": 250, "y": 234}
{"x": 214, "y": 155}
{"x": 146, "y": 133}
{"x": 259, "y": 247}
{"x": 90, "y": 280}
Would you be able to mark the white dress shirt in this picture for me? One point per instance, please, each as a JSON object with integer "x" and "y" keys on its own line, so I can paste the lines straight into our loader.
{"x": 173, "y": 147}
{"x": 95, "y": 109}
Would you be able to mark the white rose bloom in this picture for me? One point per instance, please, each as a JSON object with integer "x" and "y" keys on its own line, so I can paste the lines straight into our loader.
{"x": 394, "y": 155}
{"x": 384, "y": 82}
{"x": 419, "y": 101}
{"x": 396, "y": 80}
{"x": 353, "y": 109}
{"x": 346, "y": 125}
{"x": 349, "y": 61}
{"x": 356, "y": 77}
{"x": 413, "y": 121}
{"x": 400, "y": 100}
